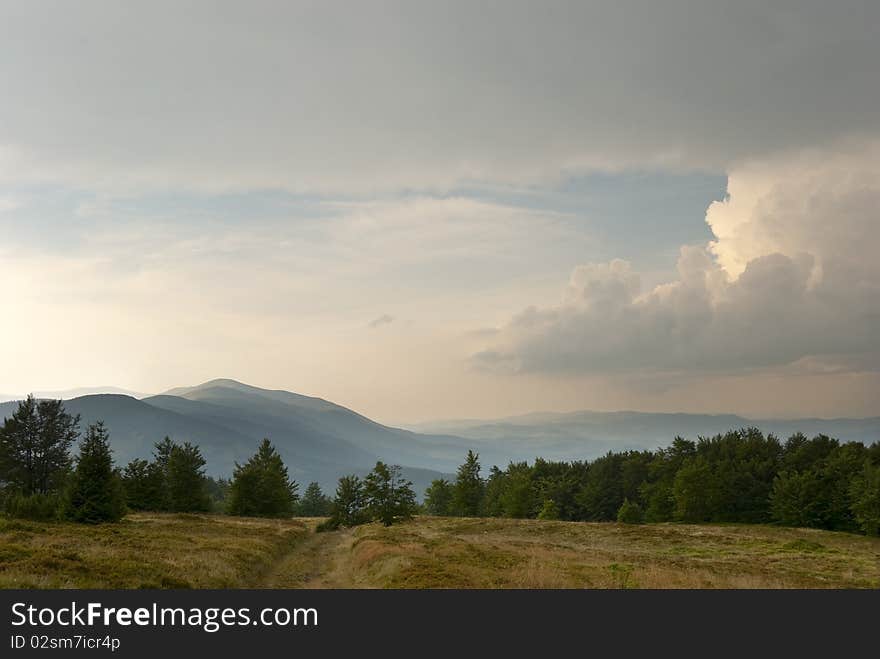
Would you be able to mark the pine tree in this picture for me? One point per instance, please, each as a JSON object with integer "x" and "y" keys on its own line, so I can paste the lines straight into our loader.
{"x": 518, "y": 496}
{"x": 186, "y": 479}
{"x": 159, "y": 468}
{"x": 218, "y": 493}
{"x": 261, "y": 487}
{"x": 162, "y": 453}
{"x": 96, "y": 489}
{"x": 314, "y": 503}
{"x": 493, "y": 489}
{"x": 35, "y": 446}
{"x": 468, "y": 492}
{"x": 389, "y": 496}
{"x": 348, "y": 506}
{"x": 144, "y": 485}
{"x": 438, "y": 498}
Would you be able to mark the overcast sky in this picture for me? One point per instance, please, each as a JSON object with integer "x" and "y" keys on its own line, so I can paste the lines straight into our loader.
{"x": 433, "y": 210}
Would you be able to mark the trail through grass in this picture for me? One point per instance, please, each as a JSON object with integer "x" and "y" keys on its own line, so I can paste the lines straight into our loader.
{"x": 208, "y": 551}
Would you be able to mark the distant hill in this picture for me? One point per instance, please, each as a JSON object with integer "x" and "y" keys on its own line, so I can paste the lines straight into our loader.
{"x": 588, "y": 434}
{"x": 75, "y": 393}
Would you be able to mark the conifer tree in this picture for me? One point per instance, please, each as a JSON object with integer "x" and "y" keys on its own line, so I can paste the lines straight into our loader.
{"x": 162, "y": 453}
{"x": 438, "y": 497}
{"x": 468, "y": 492}
{"x": 185, "y": 479}
{"x": 348, "y": 505}
{"x": 518, "y": 496}
{"x": 144, "y": 485}
{"x": 314, "y": 502}
{"x": 35, "y": 446}
{"x": 389, "y": 496}
{"x": 96, "y": 490}
{"x": 261, "y": 486}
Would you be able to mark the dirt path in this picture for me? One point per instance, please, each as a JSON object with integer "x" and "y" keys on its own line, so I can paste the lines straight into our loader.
{"x": 317, "y": 561}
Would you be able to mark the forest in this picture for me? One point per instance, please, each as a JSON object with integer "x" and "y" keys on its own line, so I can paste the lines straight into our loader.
{"x": 742, "y": 476}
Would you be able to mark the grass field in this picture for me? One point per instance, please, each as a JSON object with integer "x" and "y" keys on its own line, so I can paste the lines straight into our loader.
{"x": 144, "y": 551}
{"x": 204, "y": 551}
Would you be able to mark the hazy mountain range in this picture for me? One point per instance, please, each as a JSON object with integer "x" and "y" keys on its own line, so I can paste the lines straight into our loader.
{"x": 321, "y": 441}
{"x": 75, "y": 393}
{"x": 586, "y": 433}
{"x": 317, "y": 439}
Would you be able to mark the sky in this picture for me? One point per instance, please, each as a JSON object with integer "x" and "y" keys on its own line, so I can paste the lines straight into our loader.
{"x": 429, "y": 210}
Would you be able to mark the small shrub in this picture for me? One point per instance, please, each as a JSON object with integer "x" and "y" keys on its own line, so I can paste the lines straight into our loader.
{"x": 549, "y": 510}
{"x": 39, "y": 507}
{"x": 630, "y": 513}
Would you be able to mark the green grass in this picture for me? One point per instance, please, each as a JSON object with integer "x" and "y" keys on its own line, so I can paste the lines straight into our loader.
{"x": 211, "y": 551}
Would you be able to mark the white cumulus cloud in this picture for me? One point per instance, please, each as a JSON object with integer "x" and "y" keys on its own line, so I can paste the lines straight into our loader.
{"x": 792, "y": 274}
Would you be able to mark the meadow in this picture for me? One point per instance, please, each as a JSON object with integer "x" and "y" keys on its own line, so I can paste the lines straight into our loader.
{"x": 505, "y": 553}
{"x": 214, "y": 551}
{"x": 144, "y": 550}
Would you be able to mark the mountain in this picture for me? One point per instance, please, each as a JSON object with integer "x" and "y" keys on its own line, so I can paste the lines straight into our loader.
{"x": 75, "y": 393}
{"x": 318, "y": 440}
{"x": 312, "y": 418}
{"x": 321, "y": 441}
{"x": 586, "y": 434}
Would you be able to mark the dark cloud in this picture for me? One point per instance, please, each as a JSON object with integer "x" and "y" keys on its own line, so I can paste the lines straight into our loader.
{"x": 384, "y": 319}
{"x": 342, "y": 96}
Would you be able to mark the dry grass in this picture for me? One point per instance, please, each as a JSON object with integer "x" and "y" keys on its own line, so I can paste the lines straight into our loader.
{"x": 144, "y": 551}
{"x": 205, "y": 551}
{"x": 493, "y": 553}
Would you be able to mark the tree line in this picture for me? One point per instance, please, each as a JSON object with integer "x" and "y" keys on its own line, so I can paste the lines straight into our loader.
{"x": 741, "y": 476}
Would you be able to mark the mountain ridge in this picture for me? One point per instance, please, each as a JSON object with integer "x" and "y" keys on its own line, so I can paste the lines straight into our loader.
{"x": 320, "y": 440}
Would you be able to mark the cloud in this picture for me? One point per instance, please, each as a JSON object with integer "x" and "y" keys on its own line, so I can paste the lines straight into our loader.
{"x": 791, "y": 276}
{"x": 314, "y": 97}
{"x": 8, "y": 204}
{"x": 818, "y": 201}
{"x": 384, "y": 319}
{"x": 113, "y": 273}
